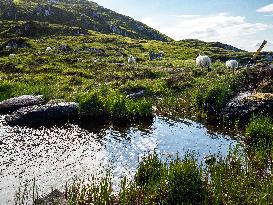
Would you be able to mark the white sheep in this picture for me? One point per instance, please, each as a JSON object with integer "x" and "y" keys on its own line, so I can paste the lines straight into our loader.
{"x": 232, "y": 64}
{"x": 203, "y": 62}
{"x": 12, "y": 55}
{"x": 131, "y": 59}
{"x": 48, "y": 49}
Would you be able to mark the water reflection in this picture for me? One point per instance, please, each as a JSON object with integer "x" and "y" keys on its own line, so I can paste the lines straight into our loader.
{"x": 55, "y": 155}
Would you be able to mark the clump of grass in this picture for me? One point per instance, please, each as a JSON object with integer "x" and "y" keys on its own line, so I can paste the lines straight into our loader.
{"x": 177, "y": 182}
{"x": 5, "y": 90}
{"x": 110, "y": 103}
{"x": 213, "y": 92}
{"x": 94, "y": 192}
{"x": 213, "y": 99}
{"x": 259, "y": 130}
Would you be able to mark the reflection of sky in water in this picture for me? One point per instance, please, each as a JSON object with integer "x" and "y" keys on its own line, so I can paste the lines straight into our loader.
{"x": 56, "y": 155}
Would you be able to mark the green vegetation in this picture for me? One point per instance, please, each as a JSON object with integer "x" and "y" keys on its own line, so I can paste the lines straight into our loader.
{"x": 260, "y": 130}
{"x": 94, "y": 72}
{"x": 95, "y": 67}
{"x": 231, "y": 180}
{"x": 84, "y": 14}
{"x": 111, "y": 103}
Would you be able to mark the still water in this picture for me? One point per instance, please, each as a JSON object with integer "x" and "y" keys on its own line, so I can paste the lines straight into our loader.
{"x": 55, "y": 155}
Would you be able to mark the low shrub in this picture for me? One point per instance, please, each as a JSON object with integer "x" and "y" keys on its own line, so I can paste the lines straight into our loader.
{"x": 259, "y": 129}
{"x": 110, "y": 103}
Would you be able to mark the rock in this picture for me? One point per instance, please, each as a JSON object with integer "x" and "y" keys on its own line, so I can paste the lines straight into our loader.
{"x": 17, "y": 43}
{"x": 55, "y": 101}
{"x": 55, "y": 197}
{"x": 153, "y": 55}
{"x": 120, "y": 64}
{"x": 64, "y": 48}
{"x": 96, "y": 51}
{"x": 137, "y": 95}
{"x": 210, "y": 159}
{"x": 246, "y": 104}
{"x": 43, "y": 114}
{"x": 19, "y": 102}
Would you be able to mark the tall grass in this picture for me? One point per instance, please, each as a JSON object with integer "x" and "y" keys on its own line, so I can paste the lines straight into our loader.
{"x": 260, "y": 130}
{"x": 109, "y": 103}
{"x": 235, "y": 179}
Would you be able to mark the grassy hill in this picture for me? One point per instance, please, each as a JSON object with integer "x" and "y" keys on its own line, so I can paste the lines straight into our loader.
{"x": 94, "y": 63}
{"x": 80, "y": 13}
{"x": 91, "y": 68}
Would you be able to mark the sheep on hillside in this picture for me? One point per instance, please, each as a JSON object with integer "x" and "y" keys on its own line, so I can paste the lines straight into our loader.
{"x": 12, "y": 55}
{"x": 131, "y": 59}
{"x": 48, "y": 49}
{"x": 203, "y": 62}
{"x": 232, "y": 64}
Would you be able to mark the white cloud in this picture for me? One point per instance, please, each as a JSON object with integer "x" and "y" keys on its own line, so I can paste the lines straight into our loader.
{"x": 234, "y": 30}
{"x": 266, "y": 9}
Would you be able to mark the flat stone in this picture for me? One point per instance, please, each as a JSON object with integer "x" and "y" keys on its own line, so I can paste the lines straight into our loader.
{"x": 137, "y": 95}
{"x": 43, "y": 114}
{"x": 246, "y": 104}
{"x": 55, "y": 197}
{"x": 16, "y": 103}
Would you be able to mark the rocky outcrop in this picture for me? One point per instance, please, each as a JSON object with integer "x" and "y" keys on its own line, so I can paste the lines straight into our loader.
{"x": 43, "y": 114}
{"x": 137, "y": 95}
{"x": 55, "y": 197}
{"x": 246, "y": 104}
{"x": 19, "y": 102}
{"x": 64, "y": 48}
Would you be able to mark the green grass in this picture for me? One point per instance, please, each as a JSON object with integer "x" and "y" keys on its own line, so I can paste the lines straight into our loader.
{"x": 234, "y": 179}
{"x": 260, "y": 130}
{"x": 105, "y": 102}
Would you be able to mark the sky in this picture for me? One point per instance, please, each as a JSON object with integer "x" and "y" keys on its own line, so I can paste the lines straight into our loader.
{"x": 241, "y": 23}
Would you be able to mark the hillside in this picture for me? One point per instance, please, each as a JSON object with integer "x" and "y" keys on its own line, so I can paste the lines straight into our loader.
{"x": 84, "y": 14}
{"x": 83, "y": 61}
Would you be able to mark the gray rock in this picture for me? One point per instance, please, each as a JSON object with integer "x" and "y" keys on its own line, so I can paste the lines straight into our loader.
{"x": 137, "y": 95}
{"x": 19, "y": 102}
{"x": 43, "y": 114}
{"x": 244, "y": 106}
{"x": 65, "y": 48}
{"x": 210, "y": 159}
{"x": 153, "y": 55}
{"x": 55, "y": 197}
{"x": 55, "y": 101}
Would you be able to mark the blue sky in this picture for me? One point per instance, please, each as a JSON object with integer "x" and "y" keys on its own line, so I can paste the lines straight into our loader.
{"x": 242, "y": 23}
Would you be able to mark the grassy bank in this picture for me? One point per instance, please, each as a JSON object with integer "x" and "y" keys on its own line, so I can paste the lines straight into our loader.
{"x": 235, "y": 179}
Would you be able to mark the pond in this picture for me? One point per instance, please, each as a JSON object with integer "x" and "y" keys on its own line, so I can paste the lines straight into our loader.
{"x": 55, "y": 155}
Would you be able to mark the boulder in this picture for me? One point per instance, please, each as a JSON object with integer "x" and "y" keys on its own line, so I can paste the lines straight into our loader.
{"x": 43, "y": 114}
{"x": 137, "y": 95}
{"x": 246, "y": 104}
{"x": 210, "y": 159}
{"x": 65, "y": 48}
{"x": 55, "y": 197}
{"x": 13, "y": 104}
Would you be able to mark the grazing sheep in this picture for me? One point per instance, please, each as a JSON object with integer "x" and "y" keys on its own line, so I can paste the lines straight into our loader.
{"x": 232, "y": 64}
{"x": 131, "y": 59}
{"x": 48, "y": 49}
{"x": 203, "y": 62}
{"x": 12, "y": 55}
